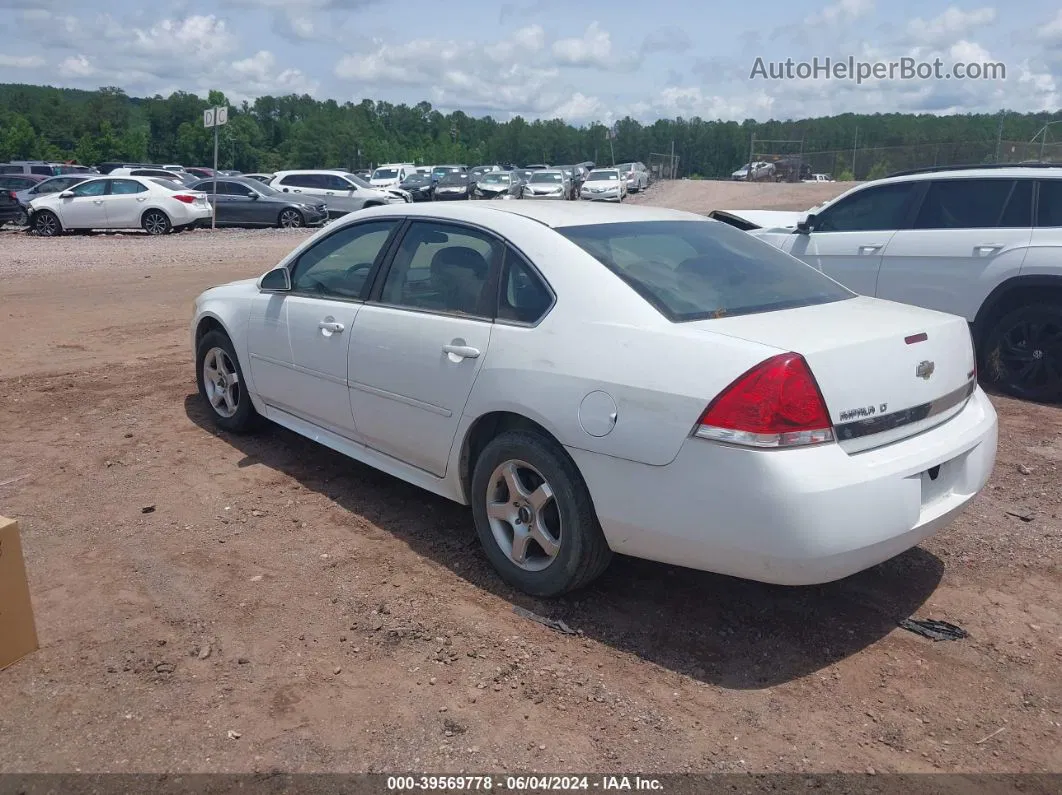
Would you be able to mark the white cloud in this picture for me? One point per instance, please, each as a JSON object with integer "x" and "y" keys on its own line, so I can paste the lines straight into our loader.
{"x": 21, "y": 61}
{"x": 1053, "y": 29}
{"x": 77, "y": 66}
{"x": 841, "y": 12}
{"x": 954, "y": 23}
{"x": 252, "y": 77}
{"x": 593, "y": 48}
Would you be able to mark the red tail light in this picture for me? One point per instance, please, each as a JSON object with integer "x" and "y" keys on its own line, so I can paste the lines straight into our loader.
{"x": 13, "y": 196}
{"x": 775, "y": 404}
{"x": 184, "y": 197}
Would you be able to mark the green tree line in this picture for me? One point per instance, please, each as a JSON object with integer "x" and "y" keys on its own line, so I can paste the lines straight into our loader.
{"x": 301, "y": 132}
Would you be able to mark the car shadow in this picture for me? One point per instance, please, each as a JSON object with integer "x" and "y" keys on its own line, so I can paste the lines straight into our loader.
{"x": 721, "y": 630}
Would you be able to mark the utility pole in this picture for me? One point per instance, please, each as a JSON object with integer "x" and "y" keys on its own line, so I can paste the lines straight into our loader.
{"x": 999, "y": 133}
{"x": 855, "y": 144}
{"x": 752, "y": 152}
{"x": 673, "y": 169}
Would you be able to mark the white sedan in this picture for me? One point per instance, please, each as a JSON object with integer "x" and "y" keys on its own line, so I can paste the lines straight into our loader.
{"x": 155, "y": 205}
{"x": 590, "y": 381}
{"x": 604, "y": 184}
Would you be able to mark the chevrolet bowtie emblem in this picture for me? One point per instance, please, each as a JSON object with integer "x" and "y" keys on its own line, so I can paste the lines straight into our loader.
{"x": 925, "y": 369}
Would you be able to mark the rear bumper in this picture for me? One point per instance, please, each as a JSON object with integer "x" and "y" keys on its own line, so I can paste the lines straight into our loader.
{"x": 793, "y": 517}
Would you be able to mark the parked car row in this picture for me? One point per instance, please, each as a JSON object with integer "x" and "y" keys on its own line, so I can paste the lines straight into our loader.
{"x": 290, "y": 198}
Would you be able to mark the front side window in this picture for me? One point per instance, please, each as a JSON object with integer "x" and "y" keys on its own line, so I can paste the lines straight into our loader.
{"x": 94, "y": 188}
{"x": 876, "y": 208}
{"x": 1049, "y": 208}
{"x": 333, "y": 182}
{"x": 695, "y": 270}
{"x": 126, "y": 187}
{"x": 964, "y": 204}
{"x": 443, "y": 268}
{"x": 339, "y": 265}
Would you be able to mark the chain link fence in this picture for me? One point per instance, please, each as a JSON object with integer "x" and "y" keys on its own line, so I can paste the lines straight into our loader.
{"x": 875, "y": 162}
{"x": 663, "y": 166}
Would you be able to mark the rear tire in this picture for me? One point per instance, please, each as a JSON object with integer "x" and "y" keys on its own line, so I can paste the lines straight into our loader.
{"x": 535, "y": 492}
{"x": 47, "y": 224}
{"x": 222, "y": 385}
{"x": 1022, "y": 353}
{"x": 156, "y": 222}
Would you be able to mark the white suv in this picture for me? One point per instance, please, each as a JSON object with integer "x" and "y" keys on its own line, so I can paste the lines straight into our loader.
{"x": 984, "y": 243}
{"x": 342, "y": 191}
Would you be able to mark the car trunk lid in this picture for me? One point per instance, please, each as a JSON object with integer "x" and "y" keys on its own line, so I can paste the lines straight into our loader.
{"x": 887, "y": 371}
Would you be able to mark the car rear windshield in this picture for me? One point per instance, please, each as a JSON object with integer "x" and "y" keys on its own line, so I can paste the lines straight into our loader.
{"x": 695, "y": 270}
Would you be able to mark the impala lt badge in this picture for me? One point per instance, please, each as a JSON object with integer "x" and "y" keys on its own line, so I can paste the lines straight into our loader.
{"x": 925, "y": 369}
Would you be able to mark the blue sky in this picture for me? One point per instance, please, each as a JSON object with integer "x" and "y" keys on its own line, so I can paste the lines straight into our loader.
{"x": 582, "y": 60}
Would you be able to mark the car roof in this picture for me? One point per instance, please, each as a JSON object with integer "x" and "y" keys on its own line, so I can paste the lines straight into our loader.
{"x": 310, "y": 171}
{"x": 555, "y": 215}
{"x": 1004, "y": 172}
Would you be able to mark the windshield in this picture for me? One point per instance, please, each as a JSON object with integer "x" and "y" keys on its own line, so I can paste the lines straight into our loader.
{"x": 603, "y": 175}
{"x": 385, "y": 173}
{"x": 442, "y": 171}
{"x": 546, "y": 176}
{"x": 358, "y": 181}
{"x": 416, "y": 179}
{"x": 495, "y": 179}
{"x": 695, "y": 270}
{"x": 623, "y": 168}
{"x": 454, "y": 178}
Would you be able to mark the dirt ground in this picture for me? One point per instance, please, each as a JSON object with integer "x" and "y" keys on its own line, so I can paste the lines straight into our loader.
{"x": 281, "y": 607}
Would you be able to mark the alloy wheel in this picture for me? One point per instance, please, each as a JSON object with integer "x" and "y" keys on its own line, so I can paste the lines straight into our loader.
{"x": 221, "y": 381}
{"x": 523, "y": 515}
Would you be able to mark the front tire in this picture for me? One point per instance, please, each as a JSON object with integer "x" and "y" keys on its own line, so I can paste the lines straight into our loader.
{"x": 156, "y": 222}
{"x": 1022, "y": 354}
{"x": 290, "y": 219}
{"x": 221, "y": 384}
{"x": 534, "y": 516}
{"x": 47, "y": 224}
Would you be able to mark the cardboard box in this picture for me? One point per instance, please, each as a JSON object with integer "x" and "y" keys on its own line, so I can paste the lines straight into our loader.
{"x": 18, "y": 633}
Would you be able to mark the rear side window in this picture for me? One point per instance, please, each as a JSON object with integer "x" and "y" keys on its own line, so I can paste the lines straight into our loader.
{"x": 1049, "y": 210}
{"x": 964, "y": 204}
{"x": 524, "y": 297}
{"x": 1018, "y": 212}
{"x": 126, "y": 186}
{"x": 694, "y": 270}
{"x": 46, "y": 171}
{"x": 301, "y": 181}
{"x": 10, "y": 169}
{"x": 869, "y": 210}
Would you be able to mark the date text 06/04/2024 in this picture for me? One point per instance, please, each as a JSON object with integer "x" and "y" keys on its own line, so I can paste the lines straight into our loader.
{"x": 521, "y": 783}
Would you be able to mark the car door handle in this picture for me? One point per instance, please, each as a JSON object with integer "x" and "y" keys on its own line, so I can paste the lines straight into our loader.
{"x": 988, "y": 247}
{"x": 869, "y": 249}
{"x": 461, "y": 351}
{"x": 330, "y": 326}
{"x": 97, "y": 201}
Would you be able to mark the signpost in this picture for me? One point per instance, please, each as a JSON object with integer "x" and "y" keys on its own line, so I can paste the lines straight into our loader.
{"x": 215, "y": 117}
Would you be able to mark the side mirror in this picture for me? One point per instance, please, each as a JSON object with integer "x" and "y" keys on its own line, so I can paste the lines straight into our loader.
{"x": 66, "y": 194}
{"x": 252, "y": 194}
{"x": 277, "y": 280}
{"x": 807, "y": 225}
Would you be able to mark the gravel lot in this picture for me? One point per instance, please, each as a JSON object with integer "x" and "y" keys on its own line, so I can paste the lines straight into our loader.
{"x": 283, "y": 607}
